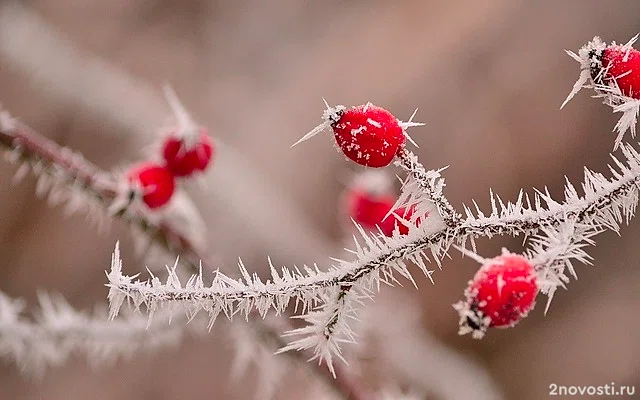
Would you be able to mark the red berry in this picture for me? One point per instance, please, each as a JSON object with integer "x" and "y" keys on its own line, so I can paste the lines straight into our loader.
{"x": 368, "y": 209}
{"x": 156, "y": 183}
{"x": 369, "y": 135}
{"x": 184, "y": 158}
{"x": 624, "y": 72}
{"x": 501, "y": 293}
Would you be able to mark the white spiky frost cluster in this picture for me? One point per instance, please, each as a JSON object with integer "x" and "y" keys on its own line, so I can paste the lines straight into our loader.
{"x": 57, "y": 332}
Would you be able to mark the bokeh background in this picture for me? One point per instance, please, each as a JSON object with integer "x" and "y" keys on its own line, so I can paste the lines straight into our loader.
{"x": 488, "y": 78}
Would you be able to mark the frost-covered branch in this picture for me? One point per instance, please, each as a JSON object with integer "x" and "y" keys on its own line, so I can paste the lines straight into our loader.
{"x": 57, "y": 331}
{"x": 604, "y": 204}
{"x": 62, "y": 174}
{"x": 431, "y": 184}
{"x": 69, "y": 177}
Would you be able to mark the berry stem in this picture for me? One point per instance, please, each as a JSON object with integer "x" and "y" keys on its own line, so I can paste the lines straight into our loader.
{"x": 409, "y": 162}
{"x": 31, "y": 146}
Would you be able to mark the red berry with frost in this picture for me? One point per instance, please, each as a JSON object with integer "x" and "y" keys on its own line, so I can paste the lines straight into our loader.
{"x": 369, "y": 198}
{"x": 368, "y": 134}
{"x": 501, "y": 293}
{"x": 613, "y": 71}
{"x": 187, "y": 154}
{"x": 155, "y": 183}
{"x": 609, "y": 67}
{"x": 617, "y": 65}
{"x": 368, "y": 209}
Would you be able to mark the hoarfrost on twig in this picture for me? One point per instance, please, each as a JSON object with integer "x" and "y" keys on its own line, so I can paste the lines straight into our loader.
{"x": 330, "y": 298}
{"x": 57, "y": 331}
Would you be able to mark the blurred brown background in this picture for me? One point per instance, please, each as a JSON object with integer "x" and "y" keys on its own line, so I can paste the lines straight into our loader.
{"x": 487, "y": 76}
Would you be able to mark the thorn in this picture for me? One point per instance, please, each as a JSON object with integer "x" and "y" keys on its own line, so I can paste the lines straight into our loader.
{"x": 318, "y": 129}
{"x": 330, "y": 115}
{"x": 179, "y": 111}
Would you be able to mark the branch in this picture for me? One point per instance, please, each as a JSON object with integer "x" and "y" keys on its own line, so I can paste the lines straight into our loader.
{"x": 605, "y": 203}
{"x": 431, "y": 184}
{"x": 70, "y": 176}
{"x": 58, "y": 332}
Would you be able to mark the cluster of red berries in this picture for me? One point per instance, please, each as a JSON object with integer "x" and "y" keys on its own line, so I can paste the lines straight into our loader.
{"x": 187, "y": 150}
{"x": 502, "y": 292}
{"x": 184, "y": 154}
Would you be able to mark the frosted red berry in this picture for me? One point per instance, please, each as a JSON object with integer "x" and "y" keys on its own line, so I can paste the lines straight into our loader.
{"x": 619, "y": 65}
{"x": 185, "y": 156}
{"x": 155, "y": 183}
{"x": 368, "y": 135}
{"x": 502, "y": 292}
{"x": 368, "y": 209}
{"x": 613, "y": 71}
